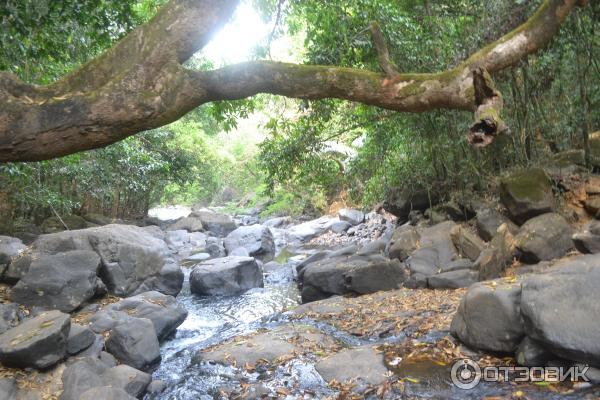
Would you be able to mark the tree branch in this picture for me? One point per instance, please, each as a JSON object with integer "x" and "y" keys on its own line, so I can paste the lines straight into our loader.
{"x": 140, "y": 84}
{"x": 390, "y": 69}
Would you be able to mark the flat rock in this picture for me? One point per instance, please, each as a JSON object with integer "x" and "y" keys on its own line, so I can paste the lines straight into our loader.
{"x": 226, "y": 276}
{"x": 360, "y": 363}
{"x": 63, "y": 281}
{"x": 39, "y": 342}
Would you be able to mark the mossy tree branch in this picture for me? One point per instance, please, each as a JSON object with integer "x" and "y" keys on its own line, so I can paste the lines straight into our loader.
{"x": 141, "y": 84}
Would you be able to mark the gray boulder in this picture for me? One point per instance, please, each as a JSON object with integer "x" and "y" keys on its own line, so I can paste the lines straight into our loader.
{"x": 489, "y": 317}
{"x": 340, "y": 226}
{"x": 219, "y": 224}
{"x": 80, "y": 338}
{"x": 169, "y": 281}
{"x": 63, "y": 281}
{"x": 9, "y": 317}
{"x": 588, "y": 240}
{"x": 190, "y": 224}
{"x": 494, "y": 259}
{"x": 106, "y": 393}
{"x": 453, "y": 279}
{"x": 226, "y": 276}
{"x": 257, "y": 239}
{"x": 134, "y": 343}
{"x": 10, "y": 247}
{"x": 468, "y": 244}
{"x": 8, "y": 389}
{"x": 39, "y": 342}
{"x": 129, "y": 379}
{"x": 240, "y": 252}
{"x": 561, "y": 311}
{"x": 435, "y": 251}
{"x": 351, "y": 216}
{"x": 532, "y": 354}
{"x": 309, "y": 229}
{"x": 527, "y": 194}
{"x": 164, "y": 311}
{"x": 489, "y": 220}
{"x": 404, "y": 241}
{"x": 129, "y": 254}
{"x": 544, "y": 238}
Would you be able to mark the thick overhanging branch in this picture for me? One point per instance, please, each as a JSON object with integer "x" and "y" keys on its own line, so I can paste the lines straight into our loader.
{"x": 383, "y": 54}
{"x": 140, "y": 84}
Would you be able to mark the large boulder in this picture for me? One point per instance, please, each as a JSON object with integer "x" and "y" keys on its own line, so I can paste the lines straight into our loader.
{"x": 9, "y": 316}
{"x": 226, "y": 276}
{"x": 588, "y": 240}
{"x": 164, "y": 311}
{"x": 309, "y": 229}
{"x": 359, "y": 274}
{"x": 405, "y": 240}
{"x": 489, "y": 317}
{"x": 219, "y": 224}
{"x": 436, "y": 249}
{"x": 10, "y": 247}
{"x": 494, "y": 259}
{"x": 459, "y": 278}
{"x": 467, "y": 243}
{"x": 169, "y": 281}
{"x": 190, "y": 224}
{"x": 354, "y": 217}
{"x": 489, "y": 220}
{"x": 130, "y": 255}
{"x": 400, "y": 202}
{"x": 527, "y": 194}
{"x": 257, "y": 239}
{"x": 544, "y": 238}
{"x": 80, "y": 338}
{"x": 63, "y": 281}
{"x": 39, "y": 342}
{"x": 560, "y": 309}
{"x": 134, "y": 343}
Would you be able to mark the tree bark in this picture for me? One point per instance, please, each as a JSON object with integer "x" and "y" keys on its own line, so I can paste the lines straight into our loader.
{"x": 140, "y": 83}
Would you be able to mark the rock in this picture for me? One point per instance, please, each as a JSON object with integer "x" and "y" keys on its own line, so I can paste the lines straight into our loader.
{"x": 72, "y": 222}
{"x": 106, "y": 393}
{"x": 489, "y": 220}
{"x": 457, "y": 265}
{"x": 453, "y": 279}
{"x": 404, "y": 241}
{"x": 543, "y": 238}
{"x": 219, "y": 224}
{"x": 560, "y": 309}
{"x": 17, "y": 268}
{"x": 82, "y": 376}
{"x": 493, "y": 260}
{"x": 97, "y": 219}
{"x": 134, "y": 343}
{"x": 169, "y": 281}
{"x": 489, "y": 317}
{"x": 277, "y": 222}
{"x": 308, "y": 230}
{"x": 8, "y": 389}
{"x": 132, "y": 381}
{"x": 198, "y": 257}
{"x": 177, "y": 238}
{"x": 457, "y": 211}
{"x": 588, "y": 240}
{"x": 436, "y": 250}
{"x": 257, "y": 239}
{"x": 226, "y": 276}
{"x": 80, "y": 338}
{"x": 240, "y": 252}
{"x": 527, "y": 194}
{"x": 364, "y": 363}
{"x": 400, "y": 202}
{"x": 39, "y": 342}
{"x": 63, "y": 281}
{"x": 9, "y": 317}
{"x": 190, "y": 224}
{"x": 354, "y": 217}
{"x": 164, "y": 311}
{"x": 374, "y": 247}
{"x": 341, "y": 274}
{"x": 532, "y": 354}
{"x": 10, "y": 248}
{"x": 156, "y": 387}
{"x": 129, "y": 254}
{"x": 467, "y": 244}
{"x": 340, "y": 226}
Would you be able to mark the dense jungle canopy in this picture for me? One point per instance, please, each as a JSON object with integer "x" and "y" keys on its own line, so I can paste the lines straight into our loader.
{"x": 379, "y": 93}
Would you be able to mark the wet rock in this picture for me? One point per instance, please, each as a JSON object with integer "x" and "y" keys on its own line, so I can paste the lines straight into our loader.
{"x": 404, "y": 241}
{"x": 493, "y": 260}
{"x": 80, "y": 338}
{"x": 532, "y": 354}
{"x": 354, "y": 217}
{"x": 226, "y": 276}
{"x": 219, "y": 224}
{"x": 543, "y": 238}
{"x": 190, "y": 224}
{"x": 489, "y": 317}
{"x": 400, "y": 202}
{"x": 106, "y": 393}
{"x": 489, "y": 220}
{"x": 134, "y": 343}
{"x": 467, "y": 243}
{"x": 72, "y": 222}
{"x": 588, "y": 240}
{"x": 350, "y": 274}
{"x": 63, "y": 281}
{"x": 453, "y": 279}
{"x": 129, "y": 254}
{"x": 257, "y": 239}
{"x": 363, "y": 363}
{"x": 39, "y": 342}
{"x": 560, "y": 309}
{"x": 9, "y": 317}
{"x": 527, "y": 194}
{"x": 164, "y": 311}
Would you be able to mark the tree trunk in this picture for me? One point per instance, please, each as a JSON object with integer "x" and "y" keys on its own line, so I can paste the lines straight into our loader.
{"x": 140, "y": 84}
